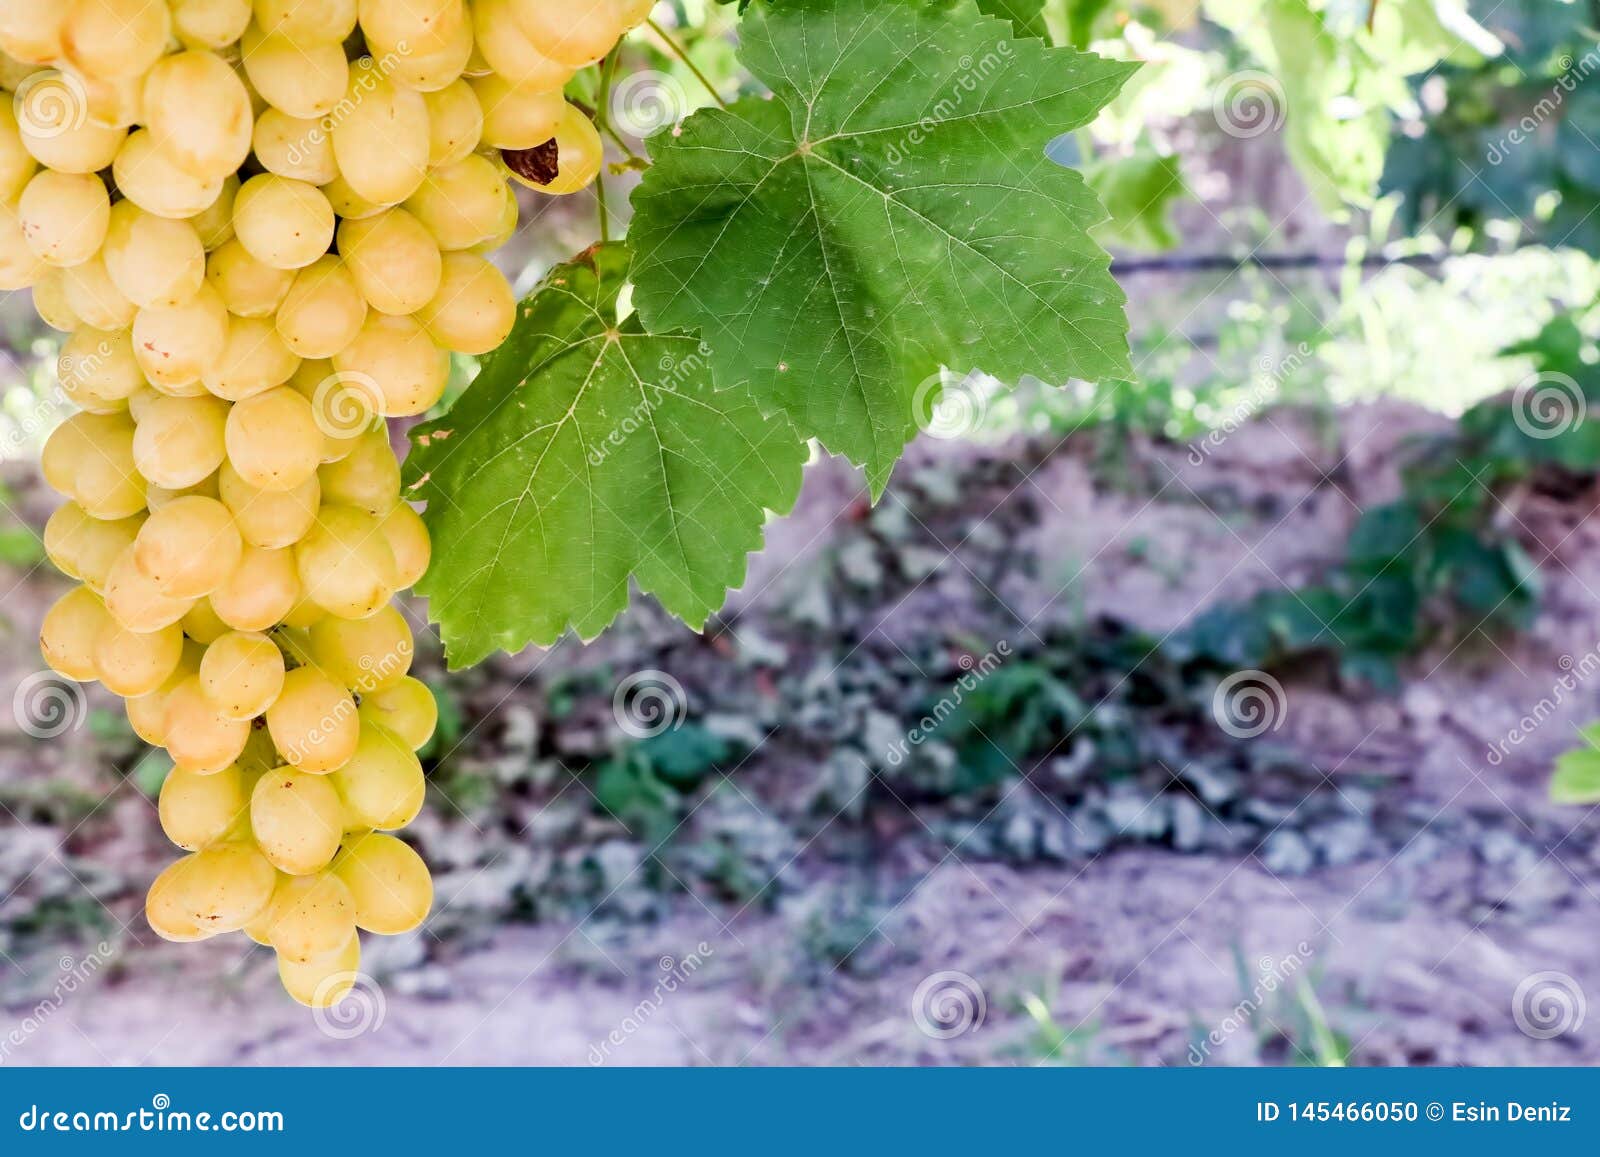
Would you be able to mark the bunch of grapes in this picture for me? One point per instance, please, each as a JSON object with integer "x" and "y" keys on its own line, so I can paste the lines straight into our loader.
{"x": 263, "y": 225}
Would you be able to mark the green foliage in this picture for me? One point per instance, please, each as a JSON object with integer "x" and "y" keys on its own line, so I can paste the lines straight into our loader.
{"x": 1510, "y": 139}
{"x": 803, "y": 265}
{"x": 1138, "y": 193}
{"x": 837, "y": 244}
{"x": 1433, "y": 560}
{"x": 589, "y": 452}
{"x": 1343, "y": 81}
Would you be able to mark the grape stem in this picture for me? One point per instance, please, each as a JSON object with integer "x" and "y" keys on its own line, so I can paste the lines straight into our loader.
{"x": 602, "y": 115}
{"x": 682, "y": 54}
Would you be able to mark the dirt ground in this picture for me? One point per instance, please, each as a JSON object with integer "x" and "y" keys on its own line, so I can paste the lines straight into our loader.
{"x": 1455, "y": 935}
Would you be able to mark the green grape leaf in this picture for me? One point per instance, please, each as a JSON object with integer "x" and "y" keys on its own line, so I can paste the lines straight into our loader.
{"x": 586, "y": 453}
{"x": 890, "y": 210}
{"x": 1026, "y": 16}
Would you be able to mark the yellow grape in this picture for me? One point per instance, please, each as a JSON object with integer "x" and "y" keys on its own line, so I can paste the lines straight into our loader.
{"x": 247, "y": 286}
{"x": 304, "y": 80}
{"x": 382, "y": 785}
{"x": 179, "y": 441}
{"x": 71, "y": 627}
{"x": 580, "y": 154}
{"x": 91, "y": 458}
{"x": 154, "y": 262}
{"x": 365, "y": 655}
{"x": 266, "y": 518}
{"x": 64, "y": 216}
{"x": 17, "y": 165}
{"x": 408, "y": 709}
{"x": 148, "y": 713}
{"x": 574, "y": 32}
{"x": 214, "y": 223}
{"x": 168, "y": 917}
{"x": 323, "y": 310}
{"x": 53, "y": 305}
{"x": 98, "y": 370}
{"x": 427, "y": 71}
{"x": 345, "y": 564}
{"x": 310, "y": 917}
{"x": 324, "y": 982}
{"x": 273, "y": 440}
{"x": 110, "y": 39}
{"x": 423, "y": 26}
{"x": 156, "y": 183}
{"x": 515, "y": 118}
{"x": 408, "y": 538}
{"x": 95, "y": 298}
{"x": 307, "y": 21}
{"x": 20, "y": 266}
{"x": 400, "y": 360}
{"x": 188, "y": 546}
{"x": 367, "y": 478}
{"x": 394, "y": 260}
{"x": 347, "y": 204}
{"x": 297, "y": 820}
{"x": 197, "y": 810}
{"x": 218, "y": 889}
{"x": 260, "y": 591}
{"x": 202, "y": 624}
{"x": 31, "y": 30}
{"x": 381, "y": 142}
{"x": 175, "y": 345}
{"x": 253, "y": 361}
{"x": 158, "y": 496}
{"x": 131, "y": 664}
{"x": 294, "y": 148}
{"x": 511, "y": 54}
{"x": 284, "y": 223}
{"x": 313, "y": 723}
{"x": 85, "y": 547}
{"x": 198, "y": 736}
{"x": 387, "y": 881}
{"x": 241, "y": 674}
{"x": 209, "y": 23}
{"x": 198, "y": 112}
{"x": 75, "y": 145}
{"x": 461, "y": 204}
{"x": 455, "y": 125}
{"x": 474, "y": 310}
{"x": 134, "y": 600}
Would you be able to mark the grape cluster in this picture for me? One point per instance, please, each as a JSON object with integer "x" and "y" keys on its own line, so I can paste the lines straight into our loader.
{"x": 263, "y": 226}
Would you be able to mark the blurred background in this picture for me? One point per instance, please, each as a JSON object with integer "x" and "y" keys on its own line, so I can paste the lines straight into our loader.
{"x": 1231, "y": 715}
